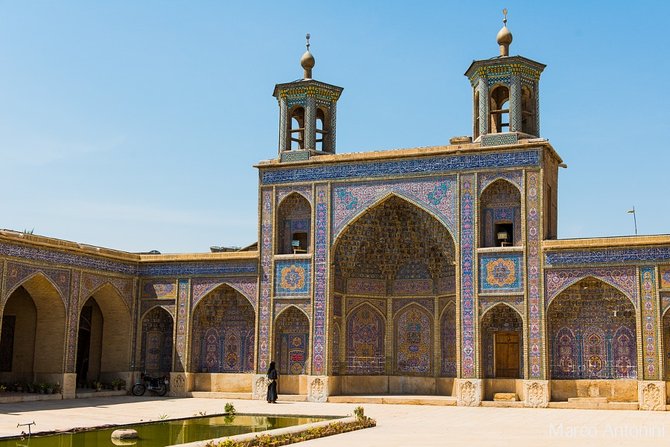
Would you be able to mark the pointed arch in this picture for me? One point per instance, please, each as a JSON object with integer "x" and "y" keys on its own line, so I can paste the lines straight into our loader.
{"x": 413, "y": 340}
{"x": 33, "y": 337}
{"x": 365, "y": 347}
{"x": 222, "y": 332}
{"x": 156, "y": 341}
{"x": 603, "y": 279}
{"x": 292, "y": 329}
{"x": 353, "y": 218}
{"x": 500, "y": 214}
{"x": 30, "y": 279}
{"x": 591, "y": 329}
{"x": 448, "y": 345}
{"x": 501, "y": 329}
{"x": 104, "y": 335}
{"x": 294, "y": 224}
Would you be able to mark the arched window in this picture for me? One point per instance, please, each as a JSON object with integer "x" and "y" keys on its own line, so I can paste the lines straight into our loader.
{"x": 475, "y": 131}
{"x": 294, "y": 225}
{"x": 528, "y": 111}
{"x": 322, "y": 131}
{"x": 296, "y": 131}
{"x": 499, "y": 106}
{"x": 500, "y": 211}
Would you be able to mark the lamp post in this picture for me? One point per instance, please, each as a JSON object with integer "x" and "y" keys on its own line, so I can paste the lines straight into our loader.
{"x": 634, "y": 218}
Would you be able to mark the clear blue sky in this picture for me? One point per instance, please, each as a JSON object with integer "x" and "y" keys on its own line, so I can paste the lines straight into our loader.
{"x": 135, "y": 125}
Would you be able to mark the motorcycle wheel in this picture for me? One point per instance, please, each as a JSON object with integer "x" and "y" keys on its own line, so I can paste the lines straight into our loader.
{"x": 138, "y": 389}
{"x": 162, "y": 390}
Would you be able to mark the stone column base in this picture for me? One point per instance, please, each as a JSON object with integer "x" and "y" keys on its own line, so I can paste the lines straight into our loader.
{"x": 181, "y": 384}
{"x": 259, "y": 387}
{"x": 317, "y": 388}
{"x": 651, "y": 395}
{"x": 469, "y": 392}
{"x": 536, "y": 393}
{"x": 69, "y": 388}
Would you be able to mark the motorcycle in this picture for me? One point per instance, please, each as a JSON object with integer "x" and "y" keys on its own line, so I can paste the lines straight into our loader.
{"x": 158, "y": 385}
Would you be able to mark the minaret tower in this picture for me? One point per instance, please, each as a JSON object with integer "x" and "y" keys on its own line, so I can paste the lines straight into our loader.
{"x": 505, "y": 93}
{"x": 307, "y": 114}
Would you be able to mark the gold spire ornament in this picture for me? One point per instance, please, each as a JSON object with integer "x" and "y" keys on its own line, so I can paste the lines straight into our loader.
{"x": 307, "y": 60}
{"x": 504, "y": 36}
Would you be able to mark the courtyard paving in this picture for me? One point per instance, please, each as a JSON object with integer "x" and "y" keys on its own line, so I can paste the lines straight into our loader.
{"x": 397, "y": 425}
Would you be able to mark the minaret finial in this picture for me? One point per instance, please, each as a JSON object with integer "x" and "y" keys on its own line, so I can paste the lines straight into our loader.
{"x": 307, "y": 60}
{"x": 504, "y": 37}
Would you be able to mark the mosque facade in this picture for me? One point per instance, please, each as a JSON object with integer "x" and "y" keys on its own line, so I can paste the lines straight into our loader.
{"x": 426, "y": 271}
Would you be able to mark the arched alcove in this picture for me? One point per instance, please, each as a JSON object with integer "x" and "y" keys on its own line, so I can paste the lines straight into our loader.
{"x": 156, "y": 342}
{"x": 294, "y": 224}
{"x": 32, "y": 343}
{"x": 499, "y": 109}
{"x": 591, "y": 330}
{"x": 223, "y": 333}
{"x": 366, "y": 329}
{"x": 413, "y": 341}
{"x": 500, "y": 215}
{"x": 292, "y": 341}
{"x": 502, "y": 343}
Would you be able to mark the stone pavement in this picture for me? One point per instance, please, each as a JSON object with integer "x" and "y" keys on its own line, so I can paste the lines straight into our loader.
{"x": 397, "y": 425}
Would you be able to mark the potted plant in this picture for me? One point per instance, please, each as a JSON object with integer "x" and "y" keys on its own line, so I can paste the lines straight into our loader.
{"x": 118, "y": 384}
{"x": 48, "y": 388}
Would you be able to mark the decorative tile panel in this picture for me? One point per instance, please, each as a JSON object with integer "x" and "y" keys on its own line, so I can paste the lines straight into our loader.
{"x": 182, "y": 326}
{"x": 421, "y": 287}
{"x": 264, "y": 310}
{"x": 247, "y": 286}
{"x": 320, "y": 279}
{"x": 423, "y": 165}
{"x": 293, "y": 277}
{"x": 468, "y": 354}
{"x": 501, "y": 273}
{"x": 167, "y": 304}
{"x": 633, "y": 255}
{"x": 199, "y": 268}
{"x": 30, "y": 253}
{"x": 535, "y": 308}
{"x": 73, "y": 324}
{"x": 366, "y": 286}
{"x": 159, "y": 288}
{"x": 623, "y": 278}
{"x": 378, "y": 303}
{"x": 304, "y": 190}
{"x": 650, "y": 317}
{"x": 91, "y": 282}
{"x": 18, "y": 273}
{"x": 486, "y": 178}
{"x": 426, "y": 303}
{"x": 665, "y": 277}
{"x": 437, "y": 195}
{"x": 486, "y": 302}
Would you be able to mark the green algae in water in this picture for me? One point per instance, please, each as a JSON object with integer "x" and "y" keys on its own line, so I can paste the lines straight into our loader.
{"x": 160, "y": 434}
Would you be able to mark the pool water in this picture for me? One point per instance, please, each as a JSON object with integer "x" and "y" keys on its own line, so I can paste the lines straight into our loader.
{"x": 160, "y": 434}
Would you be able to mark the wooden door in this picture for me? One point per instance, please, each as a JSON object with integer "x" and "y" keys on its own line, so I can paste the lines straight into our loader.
{"x": 506, "y": 355}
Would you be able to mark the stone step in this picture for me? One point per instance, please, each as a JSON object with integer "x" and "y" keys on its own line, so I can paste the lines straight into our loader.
{"x": 502, "y": 403}
{"x": 506, "y": 397}
{"x": 395, "y": 400}
{"x": 595, "y": 405}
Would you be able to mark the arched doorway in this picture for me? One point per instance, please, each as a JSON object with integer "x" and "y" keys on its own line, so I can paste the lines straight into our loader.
{"x": 591, "y": 329}
{"x": 156, "y": 342}
{"x": 502, "y": 343}
{"x": 32, "y": 343}
{"x": 223, "y": 333}
{"x": 291, "y": 348}
{"x": 104, "y": 338}
{"x": 393, "y": 266}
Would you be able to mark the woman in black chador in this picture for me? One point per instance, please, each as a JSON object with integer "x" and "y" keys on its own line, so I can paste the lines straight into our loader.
{"x": 272, "y": 385}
